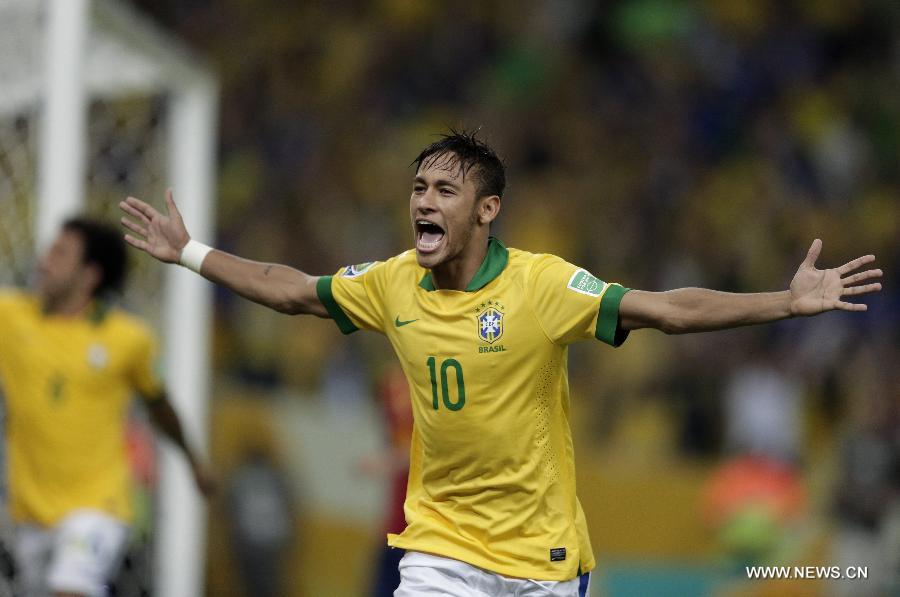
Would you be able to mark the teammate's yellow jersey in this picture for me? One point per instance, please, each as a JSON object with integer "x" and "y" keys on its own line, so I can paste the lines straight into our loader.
{"x": 492, "y": 471}
{"x": 67, "y": 382}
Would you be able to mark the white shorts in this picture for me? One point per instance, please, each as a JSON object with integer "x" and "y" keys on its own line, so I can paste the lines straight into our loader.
{"x": 424, "y": 575}
{"x": 78, "y": 555}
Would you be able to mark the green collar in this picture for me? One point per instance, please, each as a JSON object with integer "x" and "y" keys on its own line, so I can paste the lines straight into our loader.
{"x": 95, "y": 312}
{"x": 494, "y": 263}
{"x": 98, "y": 311}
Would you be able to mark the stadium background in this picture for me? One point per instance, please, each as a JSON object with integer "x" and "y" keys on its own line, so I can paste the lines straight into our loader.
{"x": 656, "y": 143}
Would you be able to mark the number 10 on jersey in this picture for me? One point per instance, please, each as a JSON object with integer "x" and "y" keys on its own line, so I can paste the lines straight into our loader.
{"x": 447, "y": 364}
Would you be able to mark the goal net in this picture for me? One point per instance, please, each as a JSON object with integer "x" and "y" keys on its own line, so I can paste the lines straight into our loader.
{"x": 96, "y": 103}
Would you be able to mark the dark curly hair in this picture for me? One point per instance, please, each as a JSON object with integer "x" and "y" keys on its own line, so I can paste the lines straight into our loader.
{"x": 103, "y": 246}
{"x": 466, "y": 151}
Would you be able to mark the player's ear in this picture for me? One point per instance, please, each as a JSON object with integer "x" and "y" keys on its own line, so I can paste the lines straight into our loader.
{"x": 488, "y": 209}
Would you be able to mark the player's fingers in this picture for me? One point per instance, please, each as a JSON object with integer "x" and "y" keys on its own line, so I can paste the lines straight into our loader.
{"x": 844, "y": 306}
{"x": 144, "y": 208}
{"x": 134, "y": 227}
{"x": 855, "y": 264}
{"x": 864, "y": 289}
{"x": 866, "y": 275}
{"x": 814, "y": 249}
{"x": 170, "y": 203}
{"x": 132, "y": 210}
{"x": 137, "y": 243}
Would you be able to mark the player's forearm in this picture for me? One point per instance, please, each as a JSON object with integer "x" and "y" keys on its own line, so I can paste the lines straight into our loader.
{"x": 278, "y": 287}
{"x": 166, "y": 420}
{"x": 700, "y": 310}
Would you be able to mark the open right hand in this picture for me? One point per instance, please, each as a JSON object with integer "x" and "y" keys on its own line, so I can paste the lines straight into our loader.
{"x": 162, "y": 236}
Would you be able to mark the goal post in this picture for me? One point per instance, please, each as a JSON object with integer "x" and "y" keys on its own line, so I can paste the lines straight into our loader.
{"x": 62, "y": 118}
{"x": 98, "y": 103}
{"x": 188, "y": 300}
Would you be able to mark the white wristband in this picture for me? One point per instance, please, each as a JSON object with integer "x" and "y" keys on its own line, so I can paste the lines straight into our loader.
{"x": 193, "y": 254}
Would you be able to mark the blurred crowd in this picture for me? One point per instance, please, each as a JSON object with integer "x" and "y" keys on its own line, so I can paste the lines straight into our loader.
{"x": 657, "y": 143}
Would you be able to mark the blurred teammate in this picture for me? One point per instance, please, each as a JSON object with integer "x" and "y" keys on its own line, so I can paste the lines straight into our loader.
{"x": 69, "y": 364}
{"x": 482, "y": 332}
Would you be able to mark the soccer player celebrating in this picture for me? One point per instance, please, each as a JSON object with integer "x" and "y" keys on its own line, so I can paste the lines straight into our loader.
{"x": 69, "y": 362}
{"x": 482, "y": 331}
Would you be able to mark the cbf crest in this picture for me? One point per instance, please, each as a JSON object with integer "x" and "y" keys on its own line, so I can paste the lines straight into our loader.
{"x": 490, "y": 321}
{"x": 97, "y": 356}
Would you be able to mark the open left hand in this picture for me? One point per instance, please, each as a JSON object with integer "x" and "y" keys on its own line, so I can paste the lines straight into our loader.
{"x": 814, "y": 290}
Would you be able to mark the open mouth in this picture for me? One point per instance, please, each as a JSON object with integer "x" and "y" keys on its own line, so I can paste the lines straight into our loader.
{"x": 428, "y": 236}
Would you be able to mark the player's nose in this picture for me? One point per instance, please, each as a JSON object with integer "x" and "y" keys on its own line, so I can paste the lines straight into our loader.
{"x": 425, "y": 203}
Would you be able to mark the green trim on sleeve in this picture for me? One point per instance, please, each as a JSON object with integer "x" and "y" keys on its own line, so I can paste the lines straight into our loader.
{"x": 154, "y": 397}
{"x": 608, "y": 329}
{"x": 323, "y": 290}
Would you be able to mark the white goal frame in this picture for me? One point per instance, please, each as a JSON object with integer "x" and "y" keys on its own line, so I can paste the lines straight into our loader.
{"x": 100, "y": 49}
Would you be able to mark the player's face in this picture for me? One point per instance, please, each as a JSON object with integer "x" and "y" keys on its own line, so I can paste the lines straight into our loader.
{"x": 443, "y": 211}
{"x": 61, "y": 269}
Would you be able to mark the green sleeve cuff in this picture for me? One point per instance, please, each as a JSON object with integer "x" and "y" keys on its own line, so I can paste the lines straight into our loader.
{"x": 608, "y": 329}
{"x": 323, "y": 290}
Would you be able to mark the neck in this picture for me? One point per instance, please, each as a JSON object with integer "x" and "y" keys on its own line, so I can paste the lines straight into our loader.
{"x": 72, "y": 305}
{"x": 457, "y": 273}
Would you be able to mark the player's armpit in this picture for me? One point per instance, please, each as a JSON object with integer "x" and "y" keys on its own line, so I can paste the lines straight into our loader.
{"x": 152, "y": 397}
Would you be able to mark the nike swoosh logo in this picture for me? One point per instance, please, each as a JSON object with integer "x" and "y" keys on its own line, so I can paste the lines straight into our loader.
{"x": 400, "y": 324}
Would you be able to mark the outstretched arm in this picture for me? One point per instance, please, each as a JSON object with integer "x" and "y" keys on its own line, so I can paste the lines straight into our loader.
{"x": 812, "y": 291}
{"x": 164, "y": 236}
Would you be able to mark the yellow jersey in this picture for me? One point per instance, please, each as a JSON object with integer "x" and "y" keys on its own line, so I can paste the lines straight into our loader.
{"x": 67, "y": 382}
{"x": 492, "y": 470}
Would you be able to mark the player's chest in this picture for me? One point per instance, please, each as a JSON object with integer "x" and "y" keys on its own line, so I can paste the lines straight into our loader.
{"x": 78, "y": 351}
{"x": 485, "y": 325}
